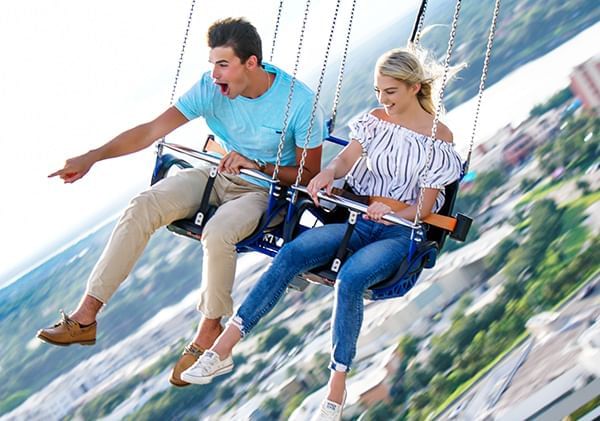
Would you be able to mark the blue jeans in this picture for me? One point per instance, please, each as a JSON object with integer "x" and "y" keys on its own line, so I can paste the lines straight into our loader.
{"x": 378, "y": 251}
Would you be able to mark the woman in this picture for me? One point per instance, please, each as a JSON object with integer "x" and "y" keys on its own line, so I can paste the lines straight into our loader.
{"x": 386, "y": 157}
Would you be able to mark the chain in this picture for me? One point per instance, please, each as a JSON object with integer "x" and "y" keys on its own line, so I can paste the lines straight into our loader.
{"x": 417, "y": 37}
{"x": 484, "y": 72}
{"x": 338, "y": 88}
{"x": 315, "y": 104}
{"x": 182, "y": 52}
{"x": 276, "y": 30}
{"x": 438, "y": 110}
{"x": 291, "y": 94}
{"x": 179, "y": 63}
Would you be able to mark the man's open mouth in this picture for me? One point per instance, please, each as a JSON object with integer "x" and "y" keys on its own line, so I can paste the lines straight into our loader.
{"x": 224, "y": 87}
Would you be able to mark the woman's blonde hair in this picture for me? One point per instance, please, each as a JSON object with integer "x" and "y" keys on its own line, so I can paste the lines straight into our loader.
{"x": 412, "y": 65}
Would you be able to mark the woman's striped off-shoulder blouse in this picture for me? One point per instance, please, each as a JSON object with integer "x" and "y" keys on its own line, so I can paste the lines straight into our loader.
{"x": 394, "y": 161}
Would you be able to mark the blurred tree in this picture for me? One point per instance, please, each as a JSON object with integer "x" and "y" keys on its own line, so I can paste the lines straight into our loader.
{"x": 463, "y": 331}
{"x": 488, "y": 314}
{"x": 416, "y": 378}
{"x": 408, "y": 346}
{"x": 380, "y": 411}
{"x": 439, "y": 387}
{"x": 420, "y": 400}
{"x": 576, "y": 147}
{"x": 272, "y": 338}
{"x": 463, "y": 303}
{"x": 555, "y": 100}
{"x": 291, "y": 340}
{"x": 272, "y": 408}
{"x": 225, "y": 392}
{"x": 584, "y": 186}
{"x": 495, "y": 260}
{"x": 293, "y": 404}
{"x": 440, "y": 359}
{"x": 470, "y": 202}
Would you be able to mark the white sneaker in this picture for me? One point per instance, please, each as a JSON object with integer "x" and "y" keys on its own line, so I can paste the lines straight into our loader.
{"x": 207, "y": 367}
{"x": 329, "y": 411}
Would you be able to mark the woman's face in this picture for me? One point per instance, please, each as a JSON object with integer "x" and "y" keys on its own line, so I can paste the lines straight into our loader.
{"x": 395, "y": 95}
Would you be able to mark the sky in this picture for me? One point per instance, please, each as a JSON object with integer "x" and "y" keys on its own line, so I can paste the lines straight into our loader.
{"x": 76, "y": 73}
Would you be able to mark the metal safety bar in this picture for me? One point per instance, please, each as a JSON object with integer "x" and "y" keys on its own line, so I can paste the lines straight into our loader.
{"x": 211, "y": 159}
{"x": 355, "y": 206}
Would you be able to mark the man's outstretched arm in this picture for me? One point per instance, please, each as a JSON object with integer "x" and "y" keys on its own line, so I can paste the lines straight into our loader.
{"x": 130, "y": 141}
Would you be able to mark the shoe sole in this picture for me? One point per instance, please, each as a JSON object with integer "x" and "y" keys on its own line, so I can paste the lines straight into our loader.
{"x": 207, "y": 379}
{"x": 178, "y": 384}
{"x": 51, "y": 342}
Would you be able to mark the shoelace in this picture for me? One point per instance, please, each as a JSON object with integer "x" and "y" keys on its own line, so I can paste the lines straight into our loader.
{"x": 329, "y": 409}
{"x": 64, "y": 319}
{"x": 190, "y": 349}
{"x": 207, "y": 363}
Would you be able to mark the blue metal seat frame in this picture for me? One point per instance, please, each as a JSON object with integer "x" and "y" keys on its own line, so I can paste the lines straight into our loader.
{"x": 269, "y": 236}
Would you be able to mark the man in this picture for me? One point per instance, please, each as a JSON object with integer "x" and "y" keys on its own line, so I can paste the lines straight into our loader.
{"x": 244, "y": 103}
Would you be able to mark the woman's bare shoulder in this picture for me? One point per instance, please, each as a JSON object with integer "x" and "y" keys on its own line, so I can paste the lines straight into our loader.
{"x": 378, "y": 112}
{"x": 444, "y": 133}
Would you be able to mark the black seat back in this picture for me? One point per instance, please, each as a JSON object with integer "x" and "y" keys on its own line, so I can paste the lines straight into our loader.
{"x": 438, "y": 234}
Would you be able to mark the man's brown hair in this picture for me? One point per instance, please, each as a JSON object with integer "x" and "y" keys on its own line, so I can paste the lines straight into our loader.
{"x": 239, "y": 34}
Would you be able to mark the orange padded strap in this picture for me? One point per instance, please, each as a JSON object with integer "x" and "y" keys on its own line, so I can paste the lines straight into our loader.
{"x": 211, "y": 145}
{"x": 441, "y": 221}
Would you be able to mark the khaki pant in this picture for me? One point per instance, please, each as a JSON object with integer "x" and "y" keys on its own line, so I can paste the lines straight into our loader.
{"x": 241, "y": 204}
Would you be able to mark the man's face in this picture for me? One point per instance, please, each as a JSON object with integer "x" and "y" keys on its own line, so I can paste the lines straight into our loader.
{"x": 229, "y": 73}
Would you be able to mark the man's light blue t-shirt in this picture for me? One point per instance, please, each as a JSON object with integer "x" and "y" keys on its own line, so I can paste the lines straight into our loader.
{"x": 253, "y": 127}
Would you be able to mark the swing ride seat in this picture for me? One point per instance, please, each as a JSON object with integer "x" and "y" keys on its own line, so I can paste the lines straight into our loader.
{"x": 269, "y": 235}
{"x": 424, "y": 256}
{"x": 266, "y": 238}
{"x": 426, "y": 253}
{"x": 427, "y": 250}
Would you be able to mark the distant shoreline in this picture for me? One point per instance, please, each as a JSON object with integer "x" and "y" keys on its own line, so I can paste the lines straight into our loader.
{"x": 40, "y": 262}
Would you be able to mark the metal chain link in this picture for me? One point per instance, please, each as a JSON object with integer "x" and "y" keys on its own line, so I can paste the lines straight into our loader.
{"x": 291, "y": 94}
{"x": 420, "y": 23}
{"x": 315, "y": 105}
{"x": 484, "y": 72}
{"x": 179, "y": 64}
{"x": 276, "y": 30}
{"x": 338, "y": 87}
{"x": 438, "y": 110}
{"x": 182, "y": 52}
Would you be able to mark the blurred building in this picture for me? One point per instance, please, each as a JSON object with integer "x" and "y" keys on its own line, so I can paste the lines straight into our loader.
{"x": 518, "y": 149}
{"x": 585, "y": 83}
{"x": 512, "y": 146}
{"x": 531, "y": 134}
{"x": 487, "y": 155}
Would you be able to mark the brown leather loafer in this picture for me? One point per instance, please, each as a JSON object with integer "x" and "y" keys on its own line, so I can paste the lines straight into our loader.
{"x": 189, "y": 356}
{"x": 67, "y": 331}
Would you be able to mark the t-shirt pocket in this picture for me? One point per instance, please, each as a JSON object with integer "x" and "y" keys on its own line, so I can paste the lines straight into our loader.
{"x": 269, "y": 138}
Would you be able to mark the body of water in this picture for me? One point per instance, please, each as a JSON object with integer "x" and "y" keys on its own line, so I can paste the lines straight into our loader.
{"x": 510, "y": 100}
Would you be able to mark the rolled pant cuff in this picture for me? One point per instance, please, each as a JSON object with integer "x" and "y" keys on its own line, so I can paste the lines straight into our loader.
{"x": 97, "y": 296}
{"x": 238, "y": 323}
{"x": 213, "y": 314}
{"x": 335, "y": 366}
